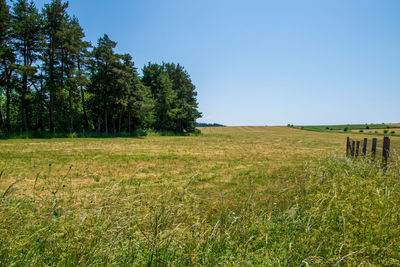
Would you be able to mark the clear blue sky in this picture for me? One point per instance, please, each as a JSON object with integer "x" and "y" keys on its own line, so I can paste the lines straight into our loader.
{"x": 258, "y": 62}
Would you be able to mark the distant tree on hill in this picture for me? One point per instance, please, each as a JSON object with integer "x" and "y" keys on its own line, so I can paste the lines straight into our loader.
{"x": 202, "y": 124}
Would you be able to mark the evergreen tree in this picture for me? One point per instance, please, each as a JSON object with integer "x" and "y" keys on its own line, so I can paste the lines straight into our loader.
{"x": 51, "y": 81}
{"x": 102, "y": 80}
{"x": 175, "y": 97}
{"x": 136, "y": 100}
{"x": 72, "y": 48}
{"x": 186, "y": 103}
{"x": 27, "y": 40}
{"x": 7, "y": 63}
{"x": 55, "y": 18}
{"x": 163, "y": 95}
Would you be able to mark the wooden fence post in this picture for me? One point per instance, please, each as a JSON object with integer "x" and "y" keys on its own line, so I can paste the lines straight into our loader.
{"x": 373, "y": 152}
{"x": 353, "y": 146}
{"x": 386, "y": 148}
{"x": 348, "y": 147}
{"x": 364, "y": 150}
{"x": 357, "y": 148}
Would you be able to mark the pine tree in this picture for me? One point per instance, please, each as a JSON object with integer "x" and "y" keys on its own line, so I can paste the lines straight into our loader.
{"x": 72, "y": 49}
{"x": 102, "y": 80}
{"x": 186, "y": 103}
{"x": 27, "y": 41}
{"x": 135, "y": 99}
{"x": 160, "y": 85}
{"x": 55, "y": 18}
{"x": 7, "y": 62}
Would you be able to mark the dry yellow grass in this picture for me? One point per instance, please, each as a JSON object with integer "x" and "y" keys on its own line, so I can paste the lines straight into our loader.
{"x": 220, "y": 158}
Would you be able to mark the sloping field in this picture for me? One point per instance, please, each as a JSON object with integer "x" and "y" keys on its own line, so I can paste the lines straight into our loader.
{"x": 160, "y": 200}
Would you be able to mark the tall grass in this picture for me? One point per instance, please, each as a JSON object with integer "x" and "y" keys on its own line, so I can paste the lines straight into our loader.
{"x": 335, "y": 211}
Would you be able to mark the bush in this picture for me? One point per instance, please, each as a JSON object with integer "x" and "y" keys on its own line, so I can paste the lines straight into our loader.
{"x": 392, "y": 132}
{"x": 346, "y": 129}
{"x": 385, "y": 131}
{"x": 196, "y": 132}
{"x": 367, "y": 127}
{"x": 361, "y": 131}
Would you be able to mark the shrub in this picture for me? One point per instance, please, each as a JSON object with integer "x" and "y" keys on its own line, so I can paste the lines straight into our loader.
{"x": 346, "y": 129}
{"x": 361, "y": 131}
{"x": 367, "y": 127}
{"x": 385, "y": 131}
{"x": 196, "y": 132}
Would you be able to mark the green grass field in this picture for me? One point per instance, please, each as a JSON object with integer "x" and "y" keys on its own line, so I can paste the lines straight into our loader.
{"x": 231, "y": 196}
{"x": 391, "y": 129}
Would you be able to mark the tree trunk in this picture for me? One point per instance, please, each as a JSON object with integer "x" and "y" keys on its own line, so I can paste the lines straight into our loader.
{"x": 105, "y": 121}
{"x": 129, "y": 122}
{"x": 52, "y": 115}
{"x": 52, "y": 85}
{"x": 1, "y": 115}
{"x": 24, "y": 102}
{"x": 120, "y": 120}
{"x": 70, "y": 112}
{"x": 85, "y": 118}
{"x": 71, "y": 118}
{"x": 98, "y": 123}
{"x": 179, "y": 126}
{"x": 8, "y": 103}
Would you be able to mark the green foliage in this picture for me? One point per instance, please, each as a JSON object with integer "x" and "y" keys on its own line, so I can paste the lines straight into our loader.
{"x": 174, "y": 96}
{"x": 53, "y": 82}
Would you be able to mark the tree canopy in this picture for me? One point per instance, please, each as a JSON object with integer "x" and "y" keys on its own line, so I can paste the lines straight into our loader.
{"x": 52, "y": 80}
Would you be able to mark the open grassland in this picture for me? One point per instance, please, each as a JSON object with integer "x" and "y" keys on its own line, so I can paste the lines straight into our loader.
{"x": 234, "y": 195}
{"x": 391, "y": 129}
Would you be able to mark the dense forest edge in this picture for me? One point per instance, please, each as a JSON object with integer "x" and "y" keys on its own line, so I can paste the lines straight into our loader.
{"x": 54, "y": 83}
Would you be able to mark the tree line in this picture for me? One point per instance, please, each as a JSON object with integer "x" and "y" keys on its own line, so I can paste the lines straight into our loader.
{"x": 52, "y": 80}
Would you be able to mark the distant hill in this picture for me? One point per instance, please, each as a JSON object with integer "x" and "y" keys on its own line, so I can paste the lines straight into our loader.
{"x": 202, "y": 124}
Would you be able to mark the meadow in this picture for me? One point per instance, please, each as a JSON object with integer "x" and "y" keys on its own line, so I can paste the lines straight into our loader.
{"x": 231, "y": 196}
{"x": 392, "y": 129}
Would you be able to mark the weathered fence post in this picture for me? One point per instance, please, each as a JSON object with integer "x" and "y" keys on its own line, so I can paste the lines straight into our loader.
{"x": 373, "y": 151}
{"x": 386, "y": 148}
{"x": 357, "y": 148}
{"x": 348, "y": 147}
{"x": 364, "y": 150}
{"x": 353, "y": 146}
